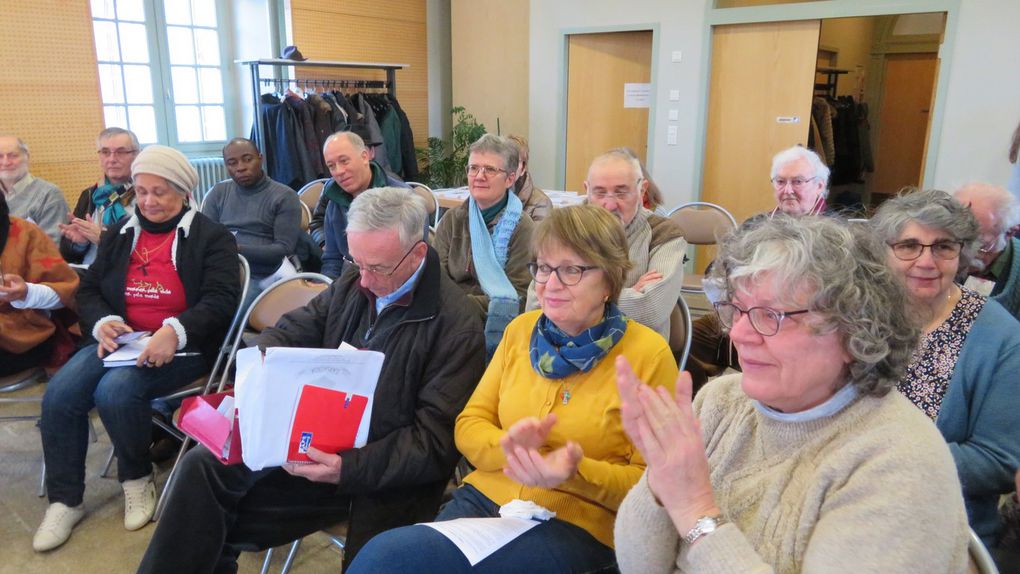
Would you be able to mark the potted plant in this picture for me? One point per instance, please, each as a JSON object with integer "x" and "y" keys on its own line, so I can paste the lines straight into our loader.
{"x": 444, "y": 163}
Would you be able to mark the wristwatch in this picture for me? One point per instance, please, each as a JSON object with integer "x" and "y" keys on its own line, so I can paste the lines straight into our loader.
{"x": 704, "y": 525}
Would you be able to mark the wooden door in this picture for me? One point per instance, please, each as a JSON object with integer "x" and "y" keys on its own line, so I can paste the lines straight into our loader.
{"x": 762, "y": 79}
{"x": 598, "y": 66}
{"x": 908, "y": 90}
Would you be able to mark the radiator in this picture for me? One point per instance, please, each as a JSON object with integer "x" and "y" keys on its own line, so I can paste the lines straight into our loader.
{"x": 210, "y": 172}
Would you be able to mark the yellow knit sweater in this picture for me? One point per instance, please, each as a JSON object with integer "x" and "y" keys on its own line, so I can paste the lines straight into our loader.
{"x": 511, "y": 390}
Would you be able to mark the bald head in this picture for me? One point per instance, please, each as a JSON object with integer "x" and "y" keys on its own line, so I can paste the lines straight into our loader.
{"x": 615, "y": 183}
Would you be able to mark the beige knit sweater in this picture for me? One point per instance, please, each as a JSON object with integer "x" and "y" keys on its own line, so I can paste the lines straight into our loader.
{"x": 870, "y": 489}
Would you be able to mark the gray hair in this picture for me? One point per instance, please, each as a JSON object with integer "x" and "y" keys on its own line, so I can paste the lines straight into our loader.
{"x": 389, "y": 208}
{"x": 619, "y": 154}
{"x": 498, "y": 145}
{"x": 931, "y": 208}
{"x": 111, "y": 132}
{"x": 1001, "y": 202}
{"x": 818, "y": 167}
{"x": 352, "y": 138}
{"x": 843, "y": 268}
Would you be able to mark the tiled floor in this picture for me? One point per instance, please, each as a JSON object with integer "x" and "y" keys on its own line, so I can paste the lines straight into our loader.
{"x": 99, "y": 543}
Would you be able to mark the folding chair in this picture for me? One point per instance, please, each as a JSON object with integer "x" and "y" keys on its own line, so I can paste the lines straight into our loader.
{"x": 980, "y": 560}
{"x": 703, "y": 223}
{"x": 681, "y": 331}
{"x": 310, "y": 193}
{"x": 431, "y": 201}
{"x": 279, "y": 298}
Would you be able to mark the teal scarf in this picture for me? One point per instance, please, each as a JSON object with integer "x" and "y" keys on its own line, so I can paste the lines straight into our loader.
{"x": 489, "y": 254}
{"x": 555, "y": 355}
{"x": 106, "y": 197}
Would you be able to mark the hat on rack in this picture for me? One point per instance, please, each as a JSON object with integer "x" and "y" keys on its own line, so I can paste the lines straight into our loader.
{"x": 361, "y": 128}
{"x": 167, "y": 163}
{"x": 292, "y": 53}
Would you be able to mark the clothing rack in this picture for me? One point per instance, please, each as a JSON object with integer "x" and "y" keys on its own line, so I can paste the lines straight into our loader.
{"x": 313, "y": 83}
{"x": 828, "y": 88}
{"x": 256, "y": 80}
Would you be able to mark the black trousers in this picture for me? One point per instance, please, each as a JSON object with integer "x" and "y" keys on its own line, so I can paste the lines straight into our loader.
{"x": 11, "y": 363}
{"x": 217, "y": 511}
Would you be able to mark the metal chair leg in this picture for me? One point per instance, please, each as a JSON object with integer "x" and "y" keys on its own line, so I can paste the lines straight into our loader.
{"x": 42, "y": 480}
{"x": 290, "y": 556}
{"x": 165, "y": 494}
{"x": 92, "y": 432}
{"x": 109, "y": 463}
{"x": 266, "y": 561}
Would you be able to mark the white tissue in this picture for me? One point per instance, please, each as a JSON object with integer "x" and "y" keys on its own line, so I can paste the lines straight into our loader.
{"x": 525, "y": 509}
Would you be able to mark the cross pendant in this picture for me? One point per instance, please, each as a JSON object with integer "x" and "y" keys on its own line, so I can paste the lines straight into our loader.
{"x": 144, "y": 268}
{"x": 566, "y": 397}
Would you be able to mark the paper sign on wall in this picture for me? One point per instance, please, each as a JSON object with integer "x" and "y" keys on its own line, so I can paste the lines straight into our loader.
{"x": 637, "y": 95}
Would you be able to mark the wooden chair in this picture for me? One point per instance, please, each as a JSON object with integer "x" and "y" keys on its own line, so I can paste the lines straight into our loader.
{"x": 703, "y": 224}
{"x": 310, "y": 193}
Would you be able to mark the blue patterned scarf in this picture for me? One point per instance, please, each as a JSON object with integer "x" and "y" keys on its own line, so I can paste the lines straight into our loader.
{"x": 555, "y": 355}
{"x": 106, "y": 197}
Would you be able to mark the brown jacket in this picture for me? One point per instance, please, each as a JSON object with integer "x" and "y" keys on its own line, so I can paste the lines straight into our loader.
{"x": 453, "y": 242}
{"x": 536, "y": 203}
{"x": 32, "y": 255}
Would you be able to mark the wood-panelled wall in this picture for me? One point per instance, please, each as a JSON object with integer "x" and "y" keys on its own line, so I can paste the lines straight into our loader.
{"x": 391, "y": 31}
{"x": 490, "y": 52}
{"x": 49, "y": 89}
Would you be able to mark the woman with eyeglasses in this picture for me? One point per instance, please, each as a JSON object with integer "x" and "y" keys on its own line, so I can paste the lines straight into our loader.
{"x": 808, "y": 461}
{"x": 483, "y": 243}
{"x": 543, "y": 427}
{"x": 963, "y": 374}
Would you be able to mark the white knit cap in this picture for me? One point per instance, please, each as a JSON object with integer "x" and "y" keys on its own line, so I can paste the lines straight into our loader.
{"x": 168, "y": 163}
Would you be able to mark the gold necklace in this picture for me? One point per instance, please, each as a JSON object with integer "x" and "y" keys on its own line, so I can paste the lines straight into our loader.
{"x": 144, "y": 266}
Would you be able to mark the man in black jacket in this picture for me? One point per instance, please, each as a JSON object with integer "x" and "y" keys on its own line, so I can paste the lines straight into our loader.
{"x": 393, "y": 298}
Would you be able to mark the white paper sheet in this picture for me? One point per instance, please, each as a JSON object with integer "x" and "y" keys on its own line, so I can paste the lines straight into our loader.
{"x": 127, "y": 354}
{"x": 478, "y": 538}
{"x": 267, "y": 393}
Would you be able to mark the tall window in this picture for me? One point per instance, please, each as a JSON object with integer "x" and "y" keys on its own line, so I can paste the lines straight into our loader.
{"x": 161, "y": 70}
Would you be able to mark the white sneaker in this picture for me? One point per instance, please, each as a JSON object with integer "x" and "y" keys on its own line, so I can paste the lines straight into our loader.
{"x": 56, "y": 526}
{"x": 139, "y": 502}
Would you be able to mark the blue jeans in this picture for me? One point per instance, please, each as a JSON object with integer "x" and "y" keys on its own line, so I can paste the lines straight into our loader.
{"x": 121, "y": 395}
{"x": 552, "y": 546}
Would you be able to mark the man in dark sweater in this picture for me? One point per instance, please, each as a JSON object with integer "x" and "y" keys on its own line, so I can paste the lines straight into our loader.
{"x": 264, "y": 215}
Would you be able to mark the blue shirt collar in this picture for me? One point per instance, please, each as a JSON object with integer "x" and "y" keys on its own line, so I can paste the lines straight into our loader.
{"x": 836, "y": 403}
{"x": 387, "y": 300}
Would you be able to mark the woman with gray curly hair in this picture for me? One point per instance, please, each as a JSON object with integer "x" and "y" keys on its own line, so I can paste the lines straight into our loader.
{"x": 788, "y": 466}
{"x": 963, "y": 372}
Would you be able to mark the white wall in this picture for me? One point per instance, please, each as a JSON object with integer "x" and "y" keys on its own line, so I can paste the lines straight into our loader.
{"x": 440, "y": 67}
{"x": 250, "y": 35}
{"x": 983, "y": 100}
{"x": 680, "y": 27}
{"x": 981, "y": 107}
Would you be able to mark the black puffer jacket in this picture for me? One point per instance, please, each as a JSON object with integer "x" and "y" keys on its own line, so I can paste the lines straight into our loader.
{"x": 435, "y": 355}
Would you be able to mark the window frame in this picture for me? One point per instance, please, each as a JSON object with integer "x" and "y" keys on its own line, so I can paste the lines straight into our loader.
{"x": 162, "y": 84}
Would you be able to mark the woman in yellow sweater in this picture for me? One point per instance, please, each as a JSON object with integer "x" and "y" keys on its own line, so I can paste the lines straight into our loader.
{"x": 543, "y": 427}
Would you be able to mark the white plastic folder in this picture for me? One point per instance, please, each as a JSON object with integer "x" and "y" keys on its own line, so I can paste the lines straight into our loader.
{"x": 268, "y": 389}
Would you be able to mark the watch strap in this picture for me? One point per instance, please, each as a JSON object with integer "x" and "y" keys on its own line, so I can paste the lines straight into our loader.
{"x": 704, "y": 526}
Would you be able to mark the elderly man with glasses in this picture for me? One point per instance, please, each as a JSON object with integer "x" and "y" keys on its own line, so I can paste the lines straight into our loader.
{"x": 29, "y": 197}
{"x": 484, "y": 244}
{"x": 995, "y": 271}
{"x": 800, "y": 181}
{"x": 395, "y": 299}
{"x": 656, "y": 245}
{"x": 105, "y": 202}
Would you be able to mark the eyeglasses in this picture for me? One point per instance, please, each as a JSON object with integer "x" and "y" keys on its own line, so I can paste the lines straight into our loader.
{"x": 567, "y": 274}
{"x": 377, "y": 270}
{"x": 619, "y": 194}
{"x": 489, "y": 171}
{"x": 911, "y": 249}
{"x": 992, "y": 245}
{"x": 119, "y": 153}
{"x": 764, "y": 320}
{"x": 796, "y": 183}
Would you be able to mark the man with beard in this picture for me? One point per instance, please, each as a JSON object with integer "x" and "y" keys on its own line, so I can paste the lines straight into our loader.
{"x": 29, "y": 197}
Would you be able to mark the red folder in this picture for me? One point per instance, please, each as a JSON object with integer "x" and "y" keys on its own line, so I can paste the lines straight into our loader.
{"x": 200, "y": 420}
{"x": 326, "y": 419}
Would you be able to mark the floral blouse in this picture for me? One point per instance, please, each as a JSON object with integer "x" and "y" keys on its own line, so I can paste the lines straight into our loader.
{"x": 931, "y": 367}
